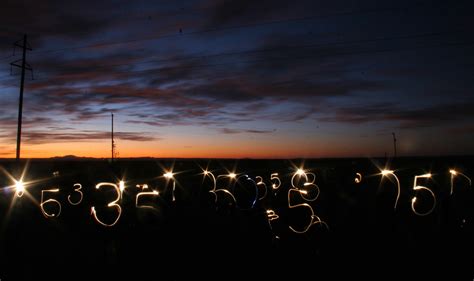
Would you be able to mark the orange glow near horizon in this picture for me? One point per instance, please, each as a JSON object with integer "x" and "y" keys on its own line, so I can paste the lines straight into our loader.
{"x": 180, "y": 148}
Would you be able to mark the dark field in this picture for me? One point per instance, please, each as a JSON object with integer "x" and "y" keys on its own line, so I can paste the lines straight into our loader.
{"x": 198, "y": 237}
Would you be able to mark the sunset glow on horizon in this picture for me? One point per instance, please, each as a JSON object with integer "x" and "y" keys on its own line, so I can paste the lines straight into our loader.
{"x": 237, "y": 79}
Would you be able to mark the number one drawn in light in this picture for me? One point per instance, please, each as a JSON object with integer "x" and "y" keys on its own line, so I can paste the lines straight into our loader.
{"x": 386, "y": 173}
{"x": 455, "y": 173}
{"x": 170, "y": 177}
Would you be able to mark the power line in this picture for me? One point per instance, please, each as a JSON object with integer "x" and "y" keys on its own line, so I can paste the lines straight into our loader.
{"x": 290, "y": 58}
{"x": 277, "y": 48}
{"x": 156, "y": 37}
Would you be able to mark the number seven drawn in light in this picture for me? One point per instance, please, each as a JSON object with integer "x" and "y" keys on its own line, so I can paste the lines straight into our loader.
{"x": 455, "y": 173}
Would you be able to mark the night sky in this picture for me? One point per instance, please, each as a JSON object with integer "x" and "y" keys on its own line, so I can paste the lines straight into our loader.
{"x": 239, "y": 78}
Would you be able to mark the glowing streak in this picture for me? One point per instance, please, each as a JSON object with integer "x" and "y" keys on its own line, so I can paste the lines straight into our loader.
{"x": 152, "y": 193}
{"x": 214, "y": 188}
{"x": 314, "y": 219}
{"x": 261, "y": 183}
{"x": 455, "y": 173}
{"x": 78, "y": 190}
{"x": 19, "y": 188}
{"x": 386, "y": 173}
{"x": 275, "y": 177}
{"x": 170, "y": 176}
{"x": 358, "y": 178}
{"x": 111, "y": 204}
{"x": 46, "y": 214}
{"x": 122, "y": 188}
{"x": 308, "y": 184}
{"x": 419, "y": 187}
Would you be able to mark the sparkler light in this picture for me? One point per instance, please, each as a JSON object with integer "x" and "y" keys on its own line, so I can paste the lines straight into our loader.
{"x": 417, "y": 187}
{"x": 142, "y": 194}
{"x": 51, "y": 200}
{"x": 170, "y": 176}
{"x": 112, "y": 204}
{"x": 455, "y": 173}
{"x": 19, "y": 188}
{"x": 261, "y": 183}
{"x": 307, "y": 185}
{"x": 313, "y": 218}
{"x": 215, "y": 189}
{"x": 386, "y": 173}
{"x": 78, "y": 190}
{"x": 274, "y": 177}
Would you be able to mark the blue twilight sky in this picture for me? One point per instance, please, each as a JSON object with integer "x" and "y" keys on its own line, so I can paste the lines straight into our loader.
{"x": 227, "y": 78}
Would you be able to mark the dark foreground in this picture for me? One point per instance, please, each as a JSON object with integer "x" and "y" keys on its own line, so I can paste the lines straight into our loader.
{"x": 194, "y": 236}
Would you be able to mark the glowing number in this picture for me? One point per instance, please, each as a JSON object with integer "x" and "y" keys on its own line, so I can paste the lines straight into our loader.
{"x": 271, "y": 215}
{"x": 274, "y": 177}
{"x": 455, "y": 173}
{"x": 214, "y": 181}
{"x": 358, "y": 178}
{"x": 308, "y": 184}
{"x": 419, "y": 187}
{"x": 390, "y": 172}
{"x": 261, "y": 183}
{"x": 54, "y": 201}
{"x": 111, "y": 204}
{"x": 314, "y": 219}
{"x": 78, "y": 190}
{"x": 152, "y": 193}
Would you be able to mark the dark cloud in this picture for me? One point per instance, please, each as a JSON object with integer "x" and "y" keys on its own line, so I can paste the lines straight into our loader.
{"x": 41, "y": 137}
{"x": 405, "y": 117}
{"x": 248, "y": 131}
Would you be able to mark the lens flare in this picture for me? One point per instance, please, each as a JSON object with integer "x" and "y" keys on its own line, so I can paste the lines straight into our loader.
{"x": 455, "y": 173}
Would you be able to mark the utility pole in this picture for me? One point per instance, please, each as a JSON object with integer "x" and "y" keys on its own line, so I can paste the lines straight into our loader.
{"x": 394, "y": 145}
{"x": 24, "y": 66}
{"x": 113, "y": 143}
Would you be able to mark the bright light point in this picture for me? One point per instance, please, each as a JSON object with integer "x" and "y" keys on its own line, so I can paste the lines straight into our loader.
{"x": 453, "y": 172}
{"x": 303, "y": 192}
{"x": 20, "y": 188}
{"x": 168, "y": 175}
{"x": 413, "y": 200}
{"x": 386, "y": 172}
{"x": 206, "y": 172}
{"x": 122, "y": 186}
{"x": 232, "y": 175}
{"x": 300, "y": 172}
{"x": 428, "y": 175}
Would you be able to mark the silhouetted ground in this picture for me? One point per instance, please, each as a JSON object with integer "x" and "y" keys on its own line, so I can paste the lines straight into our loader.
{"x": 194, "y": 236}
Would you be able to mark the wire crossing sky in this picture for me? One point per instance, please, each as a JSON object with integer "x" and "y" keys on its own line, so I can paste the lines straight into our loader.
{"x": 257, "y": 79}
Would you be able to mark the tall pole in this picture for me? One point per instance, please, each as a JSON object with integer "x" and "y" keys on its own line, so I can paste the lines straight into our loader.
{"x": 113, "y": 152}
{"x": 394, "y": 145}
{"x": 23, "y": 67}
